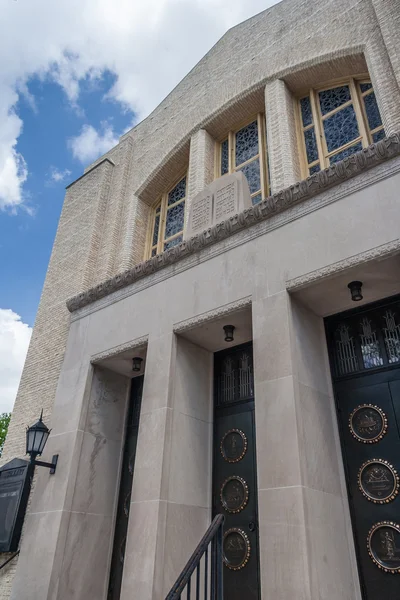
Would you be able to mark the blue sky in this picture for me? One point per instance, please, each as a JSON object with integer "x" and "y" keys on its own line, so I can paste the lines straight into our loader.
{"x": 75, "y": 75}
{"x": 26, "y": 237}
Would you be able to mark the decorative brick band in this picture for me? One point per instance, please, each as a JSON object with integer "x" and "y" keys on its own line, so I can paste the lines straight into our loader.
{"x": 279, "y": 202}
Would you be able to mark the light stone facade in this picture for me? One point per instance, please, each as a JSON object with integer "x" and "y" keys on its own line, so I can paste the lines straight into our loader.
{"x": 278, "y": 268}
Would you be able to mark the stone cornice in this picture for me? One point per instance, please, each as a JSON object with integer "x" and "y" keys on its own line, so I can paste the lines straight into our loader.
{"x": 271, "y": 206}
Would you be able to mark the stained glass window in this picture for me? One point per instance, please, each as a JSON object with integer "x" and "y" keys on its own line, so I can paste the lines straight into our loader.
{"x": 246, "y": 143}
{"x": 169, "y": 217}
{"x": 306, "y": 112}
{"x": 337, "y": 122}
{"x": 345, "y": 153}
{"x": 248, "y": 150}
{"x": 333, "y": 98}
{"x": 311, "y": 145}
{"x": 314, "y": 169}
{"x": 252, "y": 172}
{"x": 224, "y": 157}
{"x": 341, "y": 128}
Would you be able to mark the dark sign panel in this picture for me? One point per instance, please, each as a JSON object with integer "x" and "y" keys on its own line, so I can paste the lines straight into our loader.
{"x": 14, "y": 494}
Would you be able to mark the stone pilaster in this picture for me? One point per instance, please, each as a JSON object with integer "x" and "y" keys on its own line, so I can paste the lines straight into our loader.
{"x": 388, "y": 17}
{"x": 281, "y": 135}
{"x": 201, "y": 165}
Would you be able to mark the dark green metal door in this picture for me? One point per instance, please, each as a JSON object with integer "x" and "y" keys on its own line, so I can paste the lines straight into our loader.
{"x": 235, "y": 472}
{"x": 365, "y": 358}
{"x": 124, "y": 498}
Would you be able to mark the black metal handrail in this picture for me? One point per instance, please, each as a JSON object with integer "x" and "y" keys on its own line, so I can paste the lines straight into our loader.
{"x": 212, "y": 588}
{"x": 9, "y": 559}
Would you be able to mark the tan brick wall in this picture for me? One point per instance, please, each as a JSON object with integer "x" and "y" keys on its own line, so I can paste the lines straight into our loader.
{"x": 103, "y": 224}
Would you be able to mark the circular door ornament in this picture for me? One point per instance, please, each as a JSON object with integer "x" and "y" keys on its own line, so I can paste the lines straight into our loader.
{"x": 378, "y": 481}
{"x": 234, "y": 494}
{"x": 368, "y": 423}
{"x": 384, "y": 546}
{"x": 236, "y": 549}
{"x": 233, "y": 445}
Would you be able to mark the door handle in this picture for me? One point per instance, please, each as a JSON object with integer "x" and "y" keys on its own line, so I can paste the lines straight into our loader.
{"x": 252, "y": 526}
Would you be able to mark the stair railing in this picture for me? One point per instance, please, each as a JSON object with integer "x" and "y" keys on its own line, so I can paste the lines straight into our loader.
{"x": 208, "y": 581}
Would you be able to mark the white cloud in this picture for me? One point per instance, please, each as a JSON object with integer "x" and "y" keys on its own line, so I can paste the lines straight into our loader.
{"x": 90, "y": 144}
{"x": 55, "y": 175}
{"x": 14, "y": 341}
{"x": 148, "y": 46}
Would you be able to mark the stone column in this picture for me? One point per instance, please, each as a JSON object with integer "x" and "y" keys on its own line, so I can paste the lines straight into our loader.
{"x": 304, "y": 545}
{"x": 201, "y": 165}
{"x": 171, "y": 493}
{"x": 281, "y": 135}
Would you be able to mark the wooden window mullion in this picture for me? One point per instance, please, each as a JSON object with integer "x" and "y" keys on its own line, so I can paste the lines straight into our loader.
{"x": 318, "y": 129}
{"x": 359, "y": 114}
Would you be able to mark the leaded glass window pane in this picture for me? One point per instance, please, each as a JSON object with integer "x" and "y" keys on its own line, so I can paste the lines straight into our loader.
{"x": 314, "y": 169}
{"x": 224, "y": 157}
{"x": 306, "y": 112}
{"x": 370, "y": 347}
{"x": 391, "y": 333}
{"x": 372, "y": 110}
{"x": 173, "y": 242}
{"x": 364, "y": 87}
{"x": 341, "y": 128}
{"x": 311, "y": 145}
{"x": 345, "y": 153}
{"x": 252, "y": 172}
{"x": 174, "y": 220}
{"x": 178, "y": 192}
{"x": 156, "y": 229}
{"x": 379, "y": 135}
{"x": 246, "y": 143}
{"x": 154, "y": 252}
{"x": 256, "y": 199}
{"x": 333, "y": 98}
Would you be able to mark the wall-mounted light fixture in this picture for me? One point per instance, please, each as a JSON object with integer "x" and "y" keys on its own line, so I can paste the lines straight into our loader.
{"x": 137, "y": 364}
{"x": 229, "y": 329}
{"x": 355, "y": 290}
{"x": 36, "y": 438}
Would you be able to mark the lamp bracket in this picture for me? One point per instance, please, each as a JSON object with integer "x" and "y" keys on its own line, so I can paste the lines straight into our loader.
{"x": 52, "y": 466}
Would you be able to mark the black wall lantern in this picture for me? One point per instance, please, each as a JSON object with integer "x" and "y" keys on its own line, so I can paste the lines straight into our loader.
{"x": 36, "y": 438}
{"x": 355, "y": 290}
{"x": 137, "y": 364}
{"x": 229, "y": 329}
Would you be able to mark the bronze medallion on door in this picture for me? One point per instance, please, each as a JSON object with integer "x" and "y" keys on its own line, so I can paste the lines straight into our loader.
{"x": 233, "y": 445}
{"x": 236, "y": 549}
{"x": 384, "y": 546}
{"x": 378, "y": 481}
{"x": 234, "y": 494}
{"x": 368, "y": 423}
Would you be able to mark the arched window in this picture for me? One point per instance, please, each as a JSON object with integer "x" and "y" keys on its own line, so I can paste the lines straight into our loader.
{"x": 245, "y": 150}
{"x": 337, "y": 121}
{"x": 168, "y": 219}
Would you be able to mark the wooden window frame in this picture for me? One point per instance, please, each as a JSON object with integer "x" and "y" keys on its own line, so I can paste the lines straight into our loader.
{"x": 357, "y": 101}
{"x": 262, "y": 154}
{"x": 163, "y": 207}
